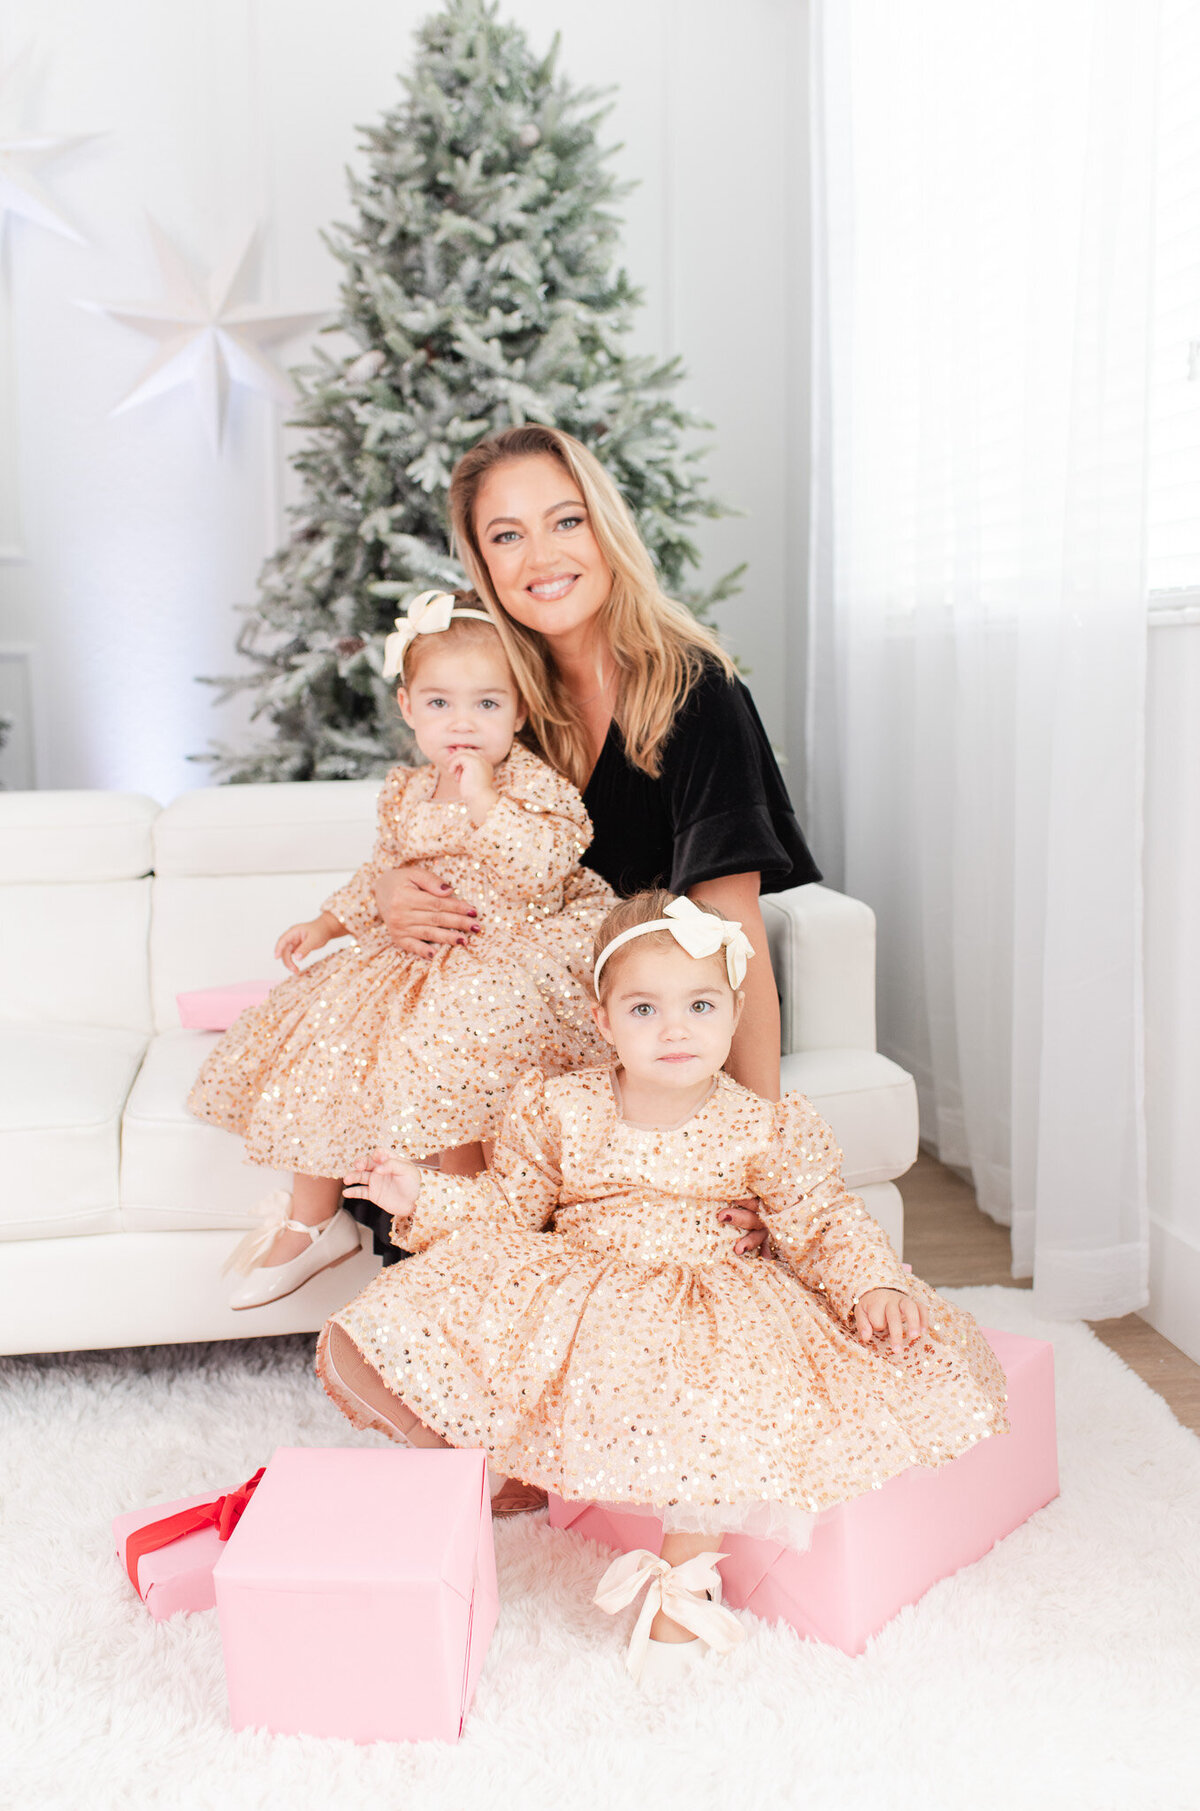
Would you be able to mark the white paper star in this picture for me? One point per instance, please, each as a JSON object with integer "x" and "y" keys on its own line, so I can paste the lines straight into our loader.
{"x": 206, "y": 340}
{"x": 22, "y": 151}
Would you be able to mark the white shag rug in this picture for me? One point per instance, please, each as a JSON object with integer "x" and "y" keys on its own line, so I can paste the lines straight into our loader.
{"x": 1063, "y": 1670}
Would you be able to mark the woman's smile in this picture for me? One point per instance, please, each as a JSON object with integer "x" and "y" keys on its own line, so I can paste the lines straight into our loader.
{"x": 548, "y": 591}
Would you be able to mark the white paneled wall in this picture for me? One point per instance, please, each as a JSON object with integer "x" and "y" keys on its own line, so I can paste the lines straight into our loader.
{"x": 1173, "y": 978}
{"x": 127, "y": 542}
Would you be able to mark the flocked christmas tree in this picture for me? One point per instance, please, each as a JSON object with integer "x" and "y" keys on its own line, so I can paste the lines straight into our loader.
{"x": 482, "y": 289}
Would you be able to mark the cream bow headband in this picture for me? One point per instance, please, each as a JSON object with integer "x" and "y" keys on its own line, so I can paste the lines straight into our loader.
{"x": 428, "y": 614}
{"x": 697, "y": 932}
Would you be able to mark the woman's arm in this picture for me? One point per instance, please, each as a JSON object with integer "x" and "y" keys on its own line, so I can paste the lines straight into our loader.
{"x": 754, "y": 1057}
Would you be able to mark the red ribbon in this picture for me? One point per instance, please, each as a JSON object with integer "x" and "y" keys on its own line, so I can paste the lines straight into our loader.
{"x": 223, "y": 1514}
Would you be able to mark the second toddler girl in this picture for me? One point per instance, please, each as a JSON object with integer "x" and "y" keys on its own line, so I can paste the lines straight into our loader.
{"x": 630, "y": 1355}
{"x": 370, "y": 1047}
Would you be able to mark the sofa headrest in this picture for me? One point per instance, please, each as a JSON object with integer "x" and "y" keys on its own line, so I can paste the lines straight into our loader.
{"x": 75, "y": 836}
{"x": 290, "y": 828}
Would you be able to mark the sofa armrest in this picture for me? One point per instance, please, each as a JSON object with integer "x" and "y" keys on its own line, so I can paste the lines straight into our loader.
{"x": 823, "y": 953}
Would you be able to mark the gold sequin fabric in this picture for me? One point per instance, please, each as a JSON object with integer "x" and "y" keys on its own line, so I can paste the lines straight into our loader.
{"x": 371, "y": 1047}
{"x": 580, "y": 1314}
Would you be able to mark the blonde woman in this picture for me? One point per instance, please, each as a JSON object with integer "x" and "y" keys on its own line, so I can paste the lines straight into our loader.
{"x": 631, "y": 699}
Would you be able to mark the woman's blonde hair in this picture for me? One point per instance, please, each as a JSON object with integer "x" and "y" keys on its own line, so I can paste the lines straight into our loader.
{"x": 659, "y": 647}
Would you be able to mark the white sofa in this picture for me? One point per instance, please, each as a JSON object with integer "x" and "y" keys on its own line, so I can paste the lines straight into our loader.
{"x": 116, "y": 1208}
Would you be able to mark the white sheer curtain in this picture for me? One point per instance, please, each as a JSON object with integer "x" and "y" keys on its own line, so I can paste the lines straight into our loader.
{"x": 984, "y": 209}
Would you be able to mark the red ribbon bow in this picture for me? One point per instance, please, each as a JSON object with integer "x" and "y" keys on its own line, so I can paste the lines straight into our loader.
{"x": 223, "y": 1514}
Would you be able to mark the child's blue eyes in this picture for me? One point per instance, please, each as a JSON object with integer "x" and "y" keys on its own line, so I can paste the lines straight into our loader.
{"x": 643, "y": 1008}
{"x": 485, "y": 704}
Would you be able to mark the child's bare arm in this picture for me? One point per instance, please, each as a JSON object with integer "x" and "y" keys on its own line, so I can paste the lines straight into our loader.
{"x": 300, "y": 940}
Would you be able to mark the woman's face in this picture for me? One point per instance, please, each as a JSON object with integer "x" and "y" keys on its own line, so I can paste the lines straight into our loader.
{"x": 537, "y": 543}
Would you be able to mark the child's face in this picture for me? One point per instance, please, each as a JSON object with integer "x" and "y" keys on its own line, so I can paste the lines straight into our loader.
{"x": 462, "y": 700}
{"x": 670, "y": 1016}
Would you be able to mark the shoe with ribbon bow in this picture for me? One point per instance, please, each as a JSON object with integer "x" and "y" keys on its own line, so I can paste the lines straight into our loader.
{"x": 330, "y": 1242}
{"x": 689, "y": 1594}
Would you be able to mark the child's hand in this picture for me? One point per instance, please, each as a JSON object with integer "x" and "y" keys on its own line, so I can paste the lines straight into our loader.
{"x": 392, "y": 1183}
{"x": 891, "y": 1313}
{"x": 476, "y": 784}
{"x": 302, "y": 939}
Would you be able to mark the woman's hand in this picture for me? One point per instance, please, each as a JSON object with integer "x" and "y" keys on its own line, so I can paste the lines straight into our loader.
{"x": 392, "y": 1183}
{"x": 301, "y": 940}
{"x": 744, "y": 1213}
{"x": 890, "y": 1314}
{"x": 420, "y": 912}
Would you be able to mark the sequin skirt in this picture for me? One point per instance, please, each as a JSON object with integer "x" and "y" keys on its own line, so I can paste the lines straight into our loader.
{"x": 373, "y": 1048}
{"x": 725, "y": 1394}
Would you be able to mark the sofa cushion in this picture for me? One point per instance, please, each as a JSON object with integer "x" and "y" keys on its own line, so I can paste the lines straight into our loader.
{"x": 76, "y": 954}
{"x": 177, "y": 1171}
{"x": 209, "y": 930}
{"x": 62, "y": 1089}
{"x": 869, "y": 1101}
{"x": 53, "y": 836}
{"x": 823, "y": 954}
{"x": 286, "y": 829}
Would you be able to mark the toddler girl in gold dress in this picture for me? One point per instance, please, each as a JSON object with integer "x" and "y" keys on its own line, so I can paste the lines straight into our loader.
{"x": 416, "y": 1054}
{"x": 629, "y": 1355}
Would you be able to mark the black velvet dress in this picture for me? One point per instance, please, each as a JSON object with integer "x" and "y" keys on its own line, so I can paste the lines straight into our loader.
{"x": 719, "y": 806}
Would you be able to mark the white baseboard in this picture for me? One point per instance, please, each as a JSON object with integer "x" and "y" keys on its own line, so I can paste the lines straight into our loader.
{"x": 1174, "y": 1309}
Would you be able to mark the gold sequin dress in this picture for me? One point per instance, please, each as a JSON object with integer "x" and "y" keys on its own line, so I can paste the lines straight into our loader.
{"x": 628, "y": 1355}
{"x": 370, "y": 1047}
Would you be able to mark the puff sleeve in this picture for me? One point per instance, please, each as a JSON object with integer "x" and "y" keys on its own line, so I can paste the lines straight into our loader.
{"x": 534, "y": 835}
{"x": 354, "y": 904}
{"x": 821, "y": 1231}
{"x": 520, "y": 1190}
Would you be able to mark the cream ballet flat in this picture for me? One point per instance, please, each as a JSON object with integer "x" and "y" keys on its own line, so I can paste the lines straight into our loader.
{"x": 331, "y": 1242}
{"x": 690, "y": 1594}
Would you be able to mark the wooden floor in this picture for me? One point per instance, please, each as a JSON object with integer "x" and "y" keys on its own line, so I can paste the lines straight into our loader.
{"x": 950, "y": 1243}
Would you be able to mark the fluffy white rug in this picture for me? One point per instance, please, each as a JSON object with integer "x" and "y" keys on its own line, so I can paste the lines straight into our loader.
{"x": 1063, "y": 1670}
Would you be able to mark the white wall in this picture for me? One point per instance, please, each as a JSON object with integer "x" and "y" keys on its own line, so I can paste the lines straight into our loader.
{"x": 134, "y": 541}
{"x": 1173, "y": 979}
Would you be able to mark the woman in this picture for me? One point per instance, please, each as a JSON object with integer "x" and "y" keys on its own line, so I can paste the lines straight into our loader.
{"x": 639, "y": 705}
{"x": 631, "y": 698}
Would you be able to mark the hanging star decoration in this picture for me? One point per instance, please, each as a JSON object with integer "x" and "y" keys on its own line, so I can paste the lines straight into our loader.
{"x": 22, "y": 152}
{"x": 208, "y": 339}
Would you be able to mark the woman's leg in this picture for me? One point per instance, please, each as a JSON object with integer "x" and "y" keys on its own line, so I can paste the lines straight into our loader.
{"x": 677, "y": 1548}
{"x": 358, "y": 1379}
{"x": 347, "y": 1364}
{"x": 463, "y": 1160}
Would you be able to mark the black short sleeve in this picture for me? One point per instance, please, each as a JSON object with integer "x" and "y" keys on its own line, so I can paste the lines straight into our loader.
{"x": 718, "y": 807}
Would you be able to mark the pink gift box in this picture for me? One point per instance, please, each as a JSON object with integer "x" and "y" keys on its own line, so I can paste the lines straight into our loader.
{"x": 882, "y": 1550}
{"x": 215, "y": 1008}
{"x": 178, "y": 1576}
{"x": 357, "y": 1595}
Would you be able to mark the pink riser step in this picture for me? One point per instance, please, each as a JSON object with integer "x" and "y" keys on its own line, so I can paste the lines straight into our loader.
{"x": 882, "y": 1550}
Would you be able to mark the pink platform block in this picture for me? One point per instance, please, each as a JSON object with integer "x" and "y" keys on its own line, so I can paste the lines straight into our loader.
{"x": 215, "y": 1008}
{"x": 178, "y": 1577}
{"x": 357, "y": 1595}
{"x": 882, "y": 1550}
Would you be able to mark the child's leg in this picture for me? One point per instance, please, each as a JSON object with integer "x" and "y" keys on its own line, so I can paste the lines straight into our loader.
{"x": 314, "y": 1198}
{"x": 677, "y": 1548}
{"x": 463, "y": 1160}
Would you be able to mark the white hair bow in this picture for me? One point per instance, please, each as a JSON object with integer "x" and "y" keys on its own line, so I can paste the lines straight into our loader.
{"x": 699, "y": 933}
{"x": 676, "y": 1590}
{"x": 428, "y": 614}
